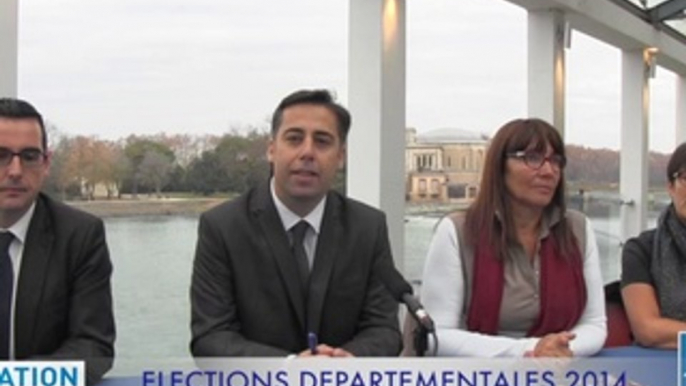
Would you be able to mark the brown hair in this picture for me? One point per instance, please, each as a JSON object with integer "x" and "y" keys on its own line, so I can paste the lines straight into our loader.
{"x": 490, "y": 214}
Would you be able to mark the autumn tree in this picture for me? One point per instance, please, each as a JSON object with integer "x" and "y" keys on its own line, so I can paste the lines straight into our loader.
{"x": 186, "y": 147}
{"x": 136, "y": 149}
{"x": 591, "y": 166}
{"x": 121, "y": 168}
{"x": 243, "y": 160}
{"x": 155, "y": 169}
{"x": 205, "y": 174}
{"x": 82, "y": 163}
{"x": 112, "y": 167}
{"x": 61, "y": 179}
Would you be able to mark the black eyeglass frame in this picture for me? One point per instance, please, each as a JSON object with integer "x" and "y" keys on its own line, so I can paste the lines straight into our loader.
{"x": 555, "y": 160}
{"x": 679, "y": 175}
{"x": 30, "y": 157}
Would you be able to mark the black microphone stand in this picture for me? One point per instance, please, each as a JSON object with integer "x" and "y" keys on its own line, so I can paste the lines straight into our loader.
{"x": 424, "y": 325}
{"x": 420, "y": 336}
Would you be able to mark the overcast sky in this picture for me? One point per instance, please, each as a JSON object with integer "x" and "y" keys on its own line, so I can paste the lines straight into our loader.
{"x": 115, "y": 67}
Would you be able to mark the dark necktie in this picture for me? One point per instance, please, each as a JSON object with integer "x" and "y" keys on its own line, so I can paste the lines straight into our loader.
{"x": 6, "y": 287}
{"x": 298, "y": 248}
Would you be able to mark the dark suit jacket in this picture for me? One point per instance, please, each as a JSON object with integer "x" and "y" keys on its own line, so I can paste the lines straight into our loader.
{"x": 63, "y": 301}
{"x": 245, "y": 296}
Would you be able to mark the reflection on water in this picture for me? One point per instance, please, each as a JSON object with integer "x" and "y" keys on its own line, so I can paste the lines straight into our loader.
{"x": 153, "y": 257}
{"x": 418, "y": 232}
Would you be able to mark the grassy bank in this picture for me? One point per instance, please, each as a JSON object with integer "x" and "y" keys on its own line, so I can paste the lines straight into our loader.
{"x": 179, "y": 205}
{"x": 144, "y": 206}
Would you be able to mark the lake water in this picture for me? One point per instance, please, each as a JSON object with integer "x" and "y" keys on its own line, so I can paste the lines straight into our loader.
{"x": 153, "y": 257}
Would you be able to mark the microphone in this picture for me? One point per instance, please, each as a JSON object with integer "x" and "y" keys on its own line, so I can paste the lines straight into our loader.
{"x": 401, "y": 290}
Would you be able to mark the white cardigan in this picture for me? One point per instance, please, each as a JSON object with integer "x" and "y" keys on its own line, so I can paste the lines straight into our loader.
{"x": 442, "y": 296}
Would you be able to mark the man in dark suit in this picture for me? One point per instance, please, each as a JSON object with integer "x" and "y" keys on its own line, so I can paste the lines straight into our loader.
{"x": 55, "y": 296}
{"x": 260, "y": 287}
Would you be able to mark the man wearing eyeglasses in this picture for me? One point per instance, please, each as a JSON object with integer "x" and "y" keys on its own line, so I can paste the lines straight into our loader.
{"x": 55, "y": 294}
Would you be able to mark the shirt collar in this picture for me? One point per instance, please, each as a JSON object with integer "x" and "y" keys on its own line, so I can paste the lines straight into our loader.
{"x": 289, "y": 219}
{"x": 20, "y": 228}
{"x": 549, "y": 219}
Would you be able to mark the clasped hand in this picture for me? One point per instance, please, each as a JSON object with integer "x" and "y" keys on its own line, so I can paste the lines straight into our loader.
{"x": 324, "y": 350}
{"x": 554, "y": 346}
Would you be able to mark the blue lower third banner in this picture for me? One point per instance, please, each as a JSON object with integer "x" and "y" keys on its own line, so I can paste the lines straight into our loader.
{"x": 638, "y": 371}
{"x": 42, "y": 373}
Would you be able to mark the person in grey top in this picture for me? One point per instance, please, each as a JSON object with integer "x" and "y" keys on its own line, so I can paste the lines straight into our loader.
{"x": 654, "y": 268}
{"x": 517, "y": 274}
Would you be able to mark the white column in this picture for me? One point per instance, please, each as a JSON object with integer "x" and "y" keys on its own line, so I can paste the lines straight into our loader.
{"x": 633, "y": 177}
{"x": 546, "y": 52}
{"x": 376, "y": 145}
{"x": 9, "y": 23}
{"x": 680, "y": 109}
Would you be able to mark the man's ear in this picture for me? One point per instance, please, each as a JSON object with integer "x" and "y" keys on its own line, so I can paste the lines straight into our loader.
{"x": 47, "y": 162}
{"x": 342, "y": 156}
{"x": 270, "y": 151}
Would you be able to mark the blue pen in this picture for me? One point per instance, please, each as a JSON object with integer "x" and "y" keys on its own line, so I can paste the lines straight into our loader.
{"x": 312, "y": 342}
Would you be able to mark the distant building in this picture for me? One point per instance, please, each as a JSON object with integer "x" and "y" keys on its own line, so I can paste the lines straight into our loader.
{"x": 98, "y": 190}
{"x": 443, "y": 165}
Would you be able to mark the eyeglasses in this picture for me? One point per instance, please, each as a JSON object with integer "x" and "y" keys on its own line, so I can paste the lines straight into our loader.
{"x": 680, "y": 175}
{"x": 535, "y": 160}
{"x": 30, "y": 158}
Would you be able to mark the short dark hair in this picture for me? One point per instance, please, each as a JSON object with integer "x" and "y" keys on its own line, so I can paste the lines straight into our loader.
{"x": 13, "y": 108}
{"x": 677, "y": 162}
{"x": 315, "y": 97}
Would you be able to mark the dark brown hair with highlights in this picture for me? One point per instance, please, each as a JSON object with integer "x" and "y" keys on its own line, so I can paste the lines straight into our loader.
{"x": 490, "y": 214}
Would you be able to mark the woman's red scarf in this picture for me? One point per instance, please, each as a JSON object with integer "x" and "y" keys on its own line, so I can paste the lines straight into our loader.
{"x": 562, "y": 289}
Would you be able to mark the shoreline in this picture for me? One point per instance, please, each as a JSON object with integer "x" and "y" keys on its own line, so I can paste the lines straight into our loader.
{"x": 145, "y": 206}
{"x": 148, "y": 206}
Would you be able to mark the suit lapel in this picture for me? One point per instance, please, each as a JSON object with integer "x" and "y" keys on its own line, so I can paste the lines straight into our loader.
{"x": 329, "y": 244}
{"x": 274, "y": 235}
{"x": 34, "y": 270}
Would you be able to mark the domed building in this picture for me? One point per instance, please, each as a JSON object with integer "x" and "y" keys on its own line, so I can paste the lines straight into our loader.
{"x": 443, "y": 165}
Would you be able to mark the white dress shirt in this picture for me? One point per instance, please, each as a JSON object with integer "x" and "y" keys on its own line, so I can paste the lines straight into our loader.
{"x": 290, "y": 219}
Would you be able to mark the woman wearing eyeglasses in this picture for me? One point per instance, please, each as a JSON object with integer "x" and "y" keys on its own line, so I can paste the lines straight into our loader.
{"x": 517, "y": 274}
{"x": 654, "y": 268}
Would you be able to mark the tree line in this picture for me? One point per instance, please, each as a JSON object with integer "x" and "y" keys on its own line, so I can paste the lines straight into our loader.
{"x": 210, "y": 164}
{"x": 157, "y": 164}
{"x": 600, "y": 167}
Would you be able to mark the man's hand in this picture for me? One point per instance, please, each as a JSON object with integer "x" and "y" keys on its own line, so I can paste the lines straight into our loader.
{"x": 341, "y": 353}
{"x": 324, "y": 350}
